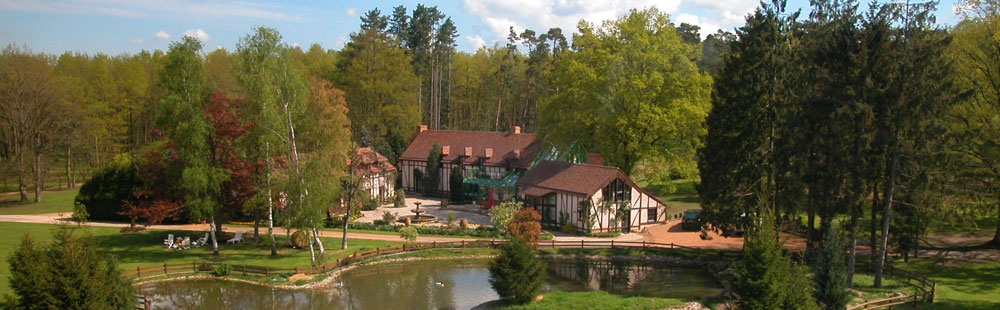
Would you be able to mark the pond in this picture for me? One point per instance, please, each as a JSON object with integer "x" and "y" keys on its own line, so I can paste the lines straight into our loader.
{"x": 449, "y": 284}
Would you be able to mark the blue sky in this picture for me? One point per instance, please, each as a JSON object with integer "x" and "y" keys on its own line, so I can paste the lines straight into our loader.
{"x": 127, "y": 26}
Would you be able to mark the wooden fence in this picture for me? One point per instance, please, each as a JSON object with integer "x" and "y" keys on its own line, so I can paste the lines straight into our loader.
{"x": 925, "y": 286}
{"x": 208, "y": 267}
{"x": 925, "y": 289}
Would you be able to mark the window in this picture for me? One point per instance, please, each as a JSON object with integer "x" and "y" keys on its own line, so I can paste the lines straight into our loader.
{"x": 548, "y": 209}
{"x": 617, "y": 191}
{"x": 583, "y": 211}
{"x": 651, "y": 214}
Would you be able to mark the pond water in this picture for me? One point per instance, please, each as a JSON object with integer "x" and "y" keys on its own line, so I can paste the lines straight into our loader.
{"x": 451, "y": 284}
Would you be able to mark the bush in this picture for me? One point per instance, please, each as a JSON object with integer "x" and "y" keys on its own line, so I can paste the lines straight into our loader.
{"x": 526, "y": 225}
{"x": 451, "y": 218}
{"x": 546, "y": 236}
{"x": 613, "y": 234}
{"x": 457, "y": 186}
{"x": 388, "y": 217}
{"x": 300, "y": 239}
{"x": 517, "y": 274}
{"x": 67, "y": 273}
{"x": 400, "y": 201}
{"x": 223, "y": 270}
{"x": 103, "y": 195}
{"x": 502, "y": 213}
{"x": 568, "y": 228}
{"x": 408, "y": 233}
{"x": 482, "y": 232}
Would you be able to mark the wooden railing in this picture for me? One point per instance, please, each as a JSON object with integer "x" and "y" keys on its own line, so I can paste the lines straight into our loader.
{"x": 925, "y": 286}
{"x": 925, "y": 290}
{"x": 357, "y": 256}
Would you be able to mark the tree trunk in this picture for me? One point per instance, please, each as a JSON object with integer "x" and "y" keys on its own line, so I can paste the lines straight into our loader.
{"x": 39, "y": 183}
{"x": 319, "y": 242}
{"x": 996, "y": 235}
{"x": 347, "y": 219}
{"x": 852, "y": 258}
{"x": 69, "y": 168}
{"x": 889, "y": 188}
{"x": 312, "y": 252}
{"x": 270, "y": 222}
{"x": 22, "y": 175}
{"x": 215, "y": 241}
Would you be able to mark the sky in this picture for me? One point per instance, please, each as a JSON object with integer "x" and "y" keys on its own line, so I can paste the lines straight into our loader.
{"x": 116, "y": 27}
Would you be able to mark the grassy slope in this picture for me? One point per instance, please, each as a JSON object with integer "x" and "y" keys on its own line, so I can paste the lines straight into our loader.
{"x": 52, "y": 202}
{"x": 145, "y": 249}
{"x": 961, "y": 284}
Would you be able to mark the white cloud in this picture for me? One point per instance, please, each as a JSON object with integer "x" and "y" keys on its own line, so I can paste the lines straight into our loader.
{"x": 476, "y": 41}
{"x": 199, "y": 34}
{"x": 135, "y": 41}
{"x": 162, "y": 34}
{"x": 146, "y": 8}
{"x": 340, "y": 41}
{"x": 351, "y": 12}
{"x": 540, "y": 15}
{"x": 296, "y": 44}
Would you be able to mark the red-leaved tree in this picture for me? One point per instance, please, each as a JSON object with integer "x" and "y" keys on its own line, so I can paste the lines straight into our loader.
{"x": 526, "y": 224}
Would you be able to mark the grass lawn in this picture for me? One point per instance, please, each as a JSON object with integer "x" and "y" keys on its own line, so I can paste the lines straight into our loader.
{"x": 52, "y": 202}
{"x": 146, "y": 248}
{"x": 961, "y": 284}
{"x": 593, "y": 300}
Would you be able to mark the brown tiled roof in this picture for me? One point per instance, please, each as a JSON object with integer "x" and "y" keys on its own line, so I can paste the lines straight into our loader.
{"x": 371, "y": 161}
{"x": 580, "y": 179}
{"x": 520, "y": 149}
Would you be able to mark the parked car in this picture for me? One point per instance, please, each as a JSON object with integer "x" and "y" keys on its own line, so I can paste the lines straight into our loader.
{"x": 691, "y": 220}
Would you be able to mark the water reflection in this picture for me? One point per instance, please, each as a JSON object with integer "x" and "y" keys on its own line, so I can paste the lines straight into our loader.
{"x": 431, "y": 285}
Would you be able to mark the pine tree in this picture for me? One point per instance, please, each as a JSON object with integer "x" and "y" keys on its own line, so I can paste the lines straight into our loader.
{"x": 431, "y": 181}
{"x": 68, "y": 273}
{"x": 831, "y": 276}
{"x": 517, "y": 274}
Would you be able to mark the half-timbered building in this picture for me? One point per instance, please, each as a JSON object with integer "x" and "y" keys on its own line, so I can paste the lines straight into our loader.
{"x": 592, "y": 198}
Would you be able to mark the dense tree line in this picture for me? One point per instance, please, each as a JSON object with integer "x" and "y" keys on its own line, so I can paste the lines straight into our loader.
{"x": 848, "y": 116}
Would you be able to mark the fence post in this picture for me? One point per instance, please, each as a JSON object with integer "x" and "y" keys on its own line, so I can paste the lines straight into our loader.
{"x": 296, "y": 269}
{"x": 612, "y": 243}
{"x": 581, "y": 244}
{"x": 267, "y": 272}
{"x": 164, "y": 268}
{"x": 138, "y": 272}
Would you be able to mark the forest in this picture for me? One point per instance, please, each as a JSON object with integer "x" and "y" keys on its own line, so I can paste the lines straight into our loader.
{"x": 870, "y": 116}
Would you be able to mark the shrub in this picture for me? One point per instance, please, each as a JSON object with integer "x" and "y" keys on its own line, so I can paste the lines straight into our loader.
{"x": 502, "y": 213}
{"x": 546, "y": 236}
{"x": 300, "y": 239}
{"x": 80, "y": 214}
{"x": 526, "y": 225}
{"x": 368, "y": 202}
{"x": 613, "y": 234}
{"x": 432, "y": 176}
{"x": 457, "y": 187}
{"x": 517, "y": 274}
{"x": 400, "y": 201}
{"x": 408, "y": 233}
{"x": 67, "y": 273}
{"x": 451, "y": 218}
{"x": 223, "y": 270}
{"x": 103, "y": 195}
{"x": 388, "y": 217}
{"x": 568, "y": 228}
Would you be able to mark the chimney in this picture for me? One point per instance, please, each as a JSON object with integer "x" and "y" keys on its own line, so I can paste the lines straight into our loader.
{"x": 468, "y": 151}
{"x": 489, "y": 152}
{"x": 517, "y": 130}
{"x": 445, "y": 150}
{"x": 595, "y": 159}
{"x": 517, "y": 154}
{"x": 423, "y": 128}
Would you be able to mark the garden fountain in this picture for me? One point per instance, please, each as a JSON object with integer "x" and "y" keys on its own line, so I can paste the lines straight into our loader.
{"x": 417, "y": 217}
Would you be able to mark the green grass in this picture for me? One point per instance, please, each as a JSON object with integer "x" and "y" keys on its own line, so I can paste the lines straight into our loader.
{"x": 593, "y": 300}
{"x": 146, "y": 249}
{"x": 961, "y": 284}
{"x": 52, "y": 202}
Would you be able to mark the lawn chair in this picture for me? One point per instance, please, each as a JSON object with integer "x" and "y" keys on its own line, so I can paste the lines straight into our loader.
{"x": 183, "y": 243}
{"x": 201, "y": 241}
{"x": 238, "y": 238}
{"x": 169, "y": 242}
